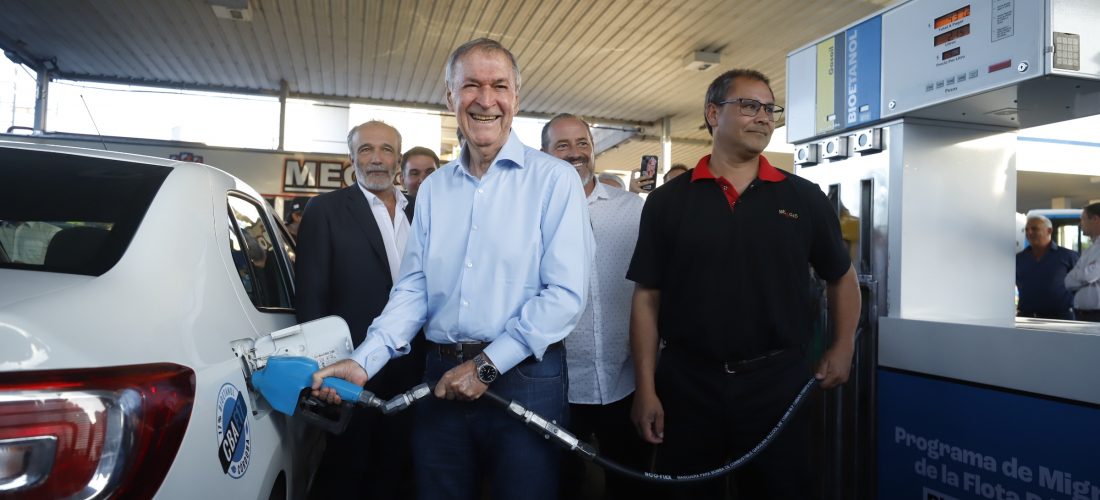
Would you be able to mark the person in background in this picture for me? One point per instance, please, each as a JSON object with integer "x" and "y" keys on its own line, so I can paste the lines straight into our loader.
{"x": 675, "y": 170}
{"x": 721, "y": 272}
{"x": 601, "y": 373}
{"x": 1041, "y": 270}
{"x": 294, "y": 215}
{"x": 416, "y": 165}
{"x": 610, "y": 179}
{"x": 350, "y": 244}
{"x": 494, "y": 309}
{"x": 1084, "y": 278}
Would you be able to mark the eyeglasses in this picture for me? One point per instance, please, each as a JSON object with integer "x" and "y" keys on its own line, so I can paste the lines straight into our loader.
{"x": 750, "y": 107}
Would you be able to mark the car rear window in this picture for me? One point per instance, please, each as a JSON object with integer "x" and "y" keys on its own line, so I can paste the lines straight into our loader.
{"x": 69, "y": 213}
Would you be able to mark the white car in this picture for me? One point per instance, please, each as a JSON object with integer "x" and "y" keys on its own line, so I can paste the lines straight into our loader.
{"x": 123, "y": 281}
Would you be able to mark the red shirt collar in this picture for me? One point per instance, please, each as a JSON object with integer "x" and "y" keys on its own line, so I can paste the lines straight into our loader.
{"x": 766, "y": 172}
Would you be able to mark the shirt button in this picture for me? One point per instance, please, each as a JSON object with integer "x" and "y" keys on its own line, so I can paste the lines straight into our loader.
{"x": 725, "y": 188}
{"x": 469, "y": 264}
{"x": 481, "y": 190}
{"x": 475, "y": 227}
{"x": 465, "y": 303}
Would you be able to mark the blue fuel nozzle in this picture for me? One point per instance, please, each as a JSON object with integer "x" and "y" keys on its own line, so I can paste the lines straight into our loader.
{"x": 282, "y": 381}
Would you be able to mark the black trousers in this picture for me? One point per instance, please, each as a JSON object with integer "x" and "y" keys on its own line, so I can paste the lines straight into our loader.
{"x": 1092, "y": 315}
{"x": 1067, "y": 313}
{"x": 614, "y": 432}
{"x": 712, "y": 417}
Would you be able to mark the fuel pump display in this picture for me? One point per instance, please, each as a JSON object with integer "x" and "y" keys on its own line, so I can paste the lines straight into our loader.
{"x": 952, "y": 35}
{"x": 950, "y": 17}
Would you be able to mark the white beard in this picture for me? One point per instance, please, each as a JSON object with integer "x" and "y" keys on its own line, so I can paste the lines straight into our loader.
{"x": 587, "y": 179}
{"x": 372, "y": 186}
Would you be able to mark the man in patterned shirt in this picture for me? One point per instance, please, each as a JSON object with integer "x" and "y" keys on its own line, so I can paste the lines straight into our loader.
{"x": 601, "y": 372}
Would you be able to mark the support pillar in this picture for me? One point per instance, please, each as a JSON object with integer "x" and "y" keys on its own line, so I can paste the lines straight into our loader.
{"x": 284, "y": 92}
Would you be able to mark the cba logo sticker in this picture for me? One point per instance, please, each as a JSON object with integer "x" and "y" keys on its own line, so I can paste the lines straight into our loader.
{"x": 234, "y": 440}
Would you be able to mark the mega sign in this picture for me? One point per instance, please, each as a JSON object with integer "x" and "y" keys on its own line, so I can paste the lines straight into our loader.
{"x": 316, "y": 176}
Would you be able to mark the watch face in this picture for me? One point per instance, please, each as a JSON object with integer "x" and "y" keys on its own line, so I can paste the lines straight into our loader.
{"x": 487, "y": 373}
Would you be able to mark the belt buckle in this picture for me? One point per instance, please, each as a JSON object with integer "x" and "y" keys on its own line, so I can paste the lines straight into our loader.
{"x": 451, "y": 350}
{"x": 466, "y": 351}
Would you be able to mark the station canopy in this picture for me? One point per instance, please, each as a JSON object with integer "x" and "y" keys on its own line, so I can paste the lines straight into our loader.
{"x": 621, "y": 63}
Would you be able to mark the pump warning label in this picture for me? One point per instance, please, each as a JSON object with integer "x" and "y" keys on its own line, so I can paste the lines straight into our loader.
{"x": 1004, "y": 19}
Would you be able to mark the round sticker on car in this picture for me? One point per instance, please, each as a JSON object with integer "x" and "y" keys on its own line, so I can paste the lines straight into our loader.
{"x": 234, "y": 439}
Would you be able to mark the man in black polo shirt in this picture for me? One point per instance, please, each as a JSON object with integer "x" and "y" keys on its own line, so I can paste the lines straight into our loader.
{"x": 722, "y": 273}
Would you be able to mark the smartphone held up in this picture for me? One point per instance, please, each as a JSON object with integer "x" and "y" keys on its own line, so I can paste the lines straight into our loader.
{"x": 648, "y": 170}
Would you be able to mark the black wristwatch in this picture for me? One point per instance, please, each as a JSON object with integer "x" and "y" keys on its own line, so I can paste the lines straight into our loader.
{"x": 486, "y": 372}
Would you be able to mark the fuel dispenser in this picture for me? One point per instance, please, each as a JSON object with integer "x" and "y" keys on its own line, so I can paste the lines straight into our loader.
{"x": 907, "y": 119}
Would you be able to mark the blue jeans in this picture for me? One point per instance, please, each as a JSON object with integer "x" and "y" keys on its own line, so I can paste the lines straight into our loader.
{"x": 459, "y": 446}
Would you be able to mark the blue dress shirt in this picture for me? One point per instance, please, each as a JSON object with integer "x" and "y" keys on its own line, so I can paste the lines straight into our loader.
{"x": 502, "y": 259}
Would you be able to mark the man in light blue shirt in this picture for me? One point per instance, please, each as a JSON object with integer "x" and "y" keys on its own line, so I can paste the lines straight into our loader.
{"x": 496, "y": 269}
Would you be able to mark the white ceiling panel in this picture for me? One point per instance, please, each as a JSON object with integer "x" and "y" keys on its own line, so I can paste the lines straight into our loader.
{"x": 612, "y": 60}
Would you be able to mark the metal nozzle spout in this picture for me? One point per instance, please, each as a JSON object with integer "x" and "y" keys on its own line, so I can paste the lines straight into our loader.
{"x": 369, "y": 400}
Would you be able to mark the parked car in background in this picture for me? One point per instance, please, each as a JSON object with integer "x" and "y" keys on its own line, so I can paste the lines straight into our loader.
{"x": 123, "y": 280}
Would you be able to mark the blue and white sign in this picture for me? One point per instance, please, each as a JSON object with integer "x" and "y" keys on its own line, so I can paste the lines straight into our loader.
{"x": 944, "y": 440}
{"x": 859, "y": 85}
{"x": 234, "y": 436}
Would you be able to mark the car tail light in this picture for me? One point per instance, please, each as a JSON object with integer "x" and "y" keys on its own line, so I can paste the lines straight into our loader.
{"x": 92, "y": 432}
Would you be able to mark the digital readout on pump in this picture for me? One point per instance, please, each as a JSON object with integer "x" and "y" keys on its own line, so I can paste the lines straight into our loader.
{"x": 951, "y": 53}
{"x": 951, "y": 17}
{"x": 954, "y": 34}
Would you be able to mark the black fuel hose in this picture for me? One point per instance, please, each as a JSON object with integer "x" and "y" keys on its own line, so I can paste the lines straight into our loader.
{"x": 588, "y": 452}
{"x": 564, "y": 438}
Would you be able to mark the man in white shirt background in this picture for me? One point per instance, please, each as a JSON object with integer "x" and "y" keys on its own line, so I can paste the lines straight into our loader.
{"x": 1084, "y": 279}
{"x": 601, "y": 372}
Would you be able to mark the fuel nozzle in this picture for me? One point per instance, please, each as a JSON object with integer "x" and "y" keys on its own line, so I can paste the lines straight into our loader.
{"x": 285, "y": 383}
